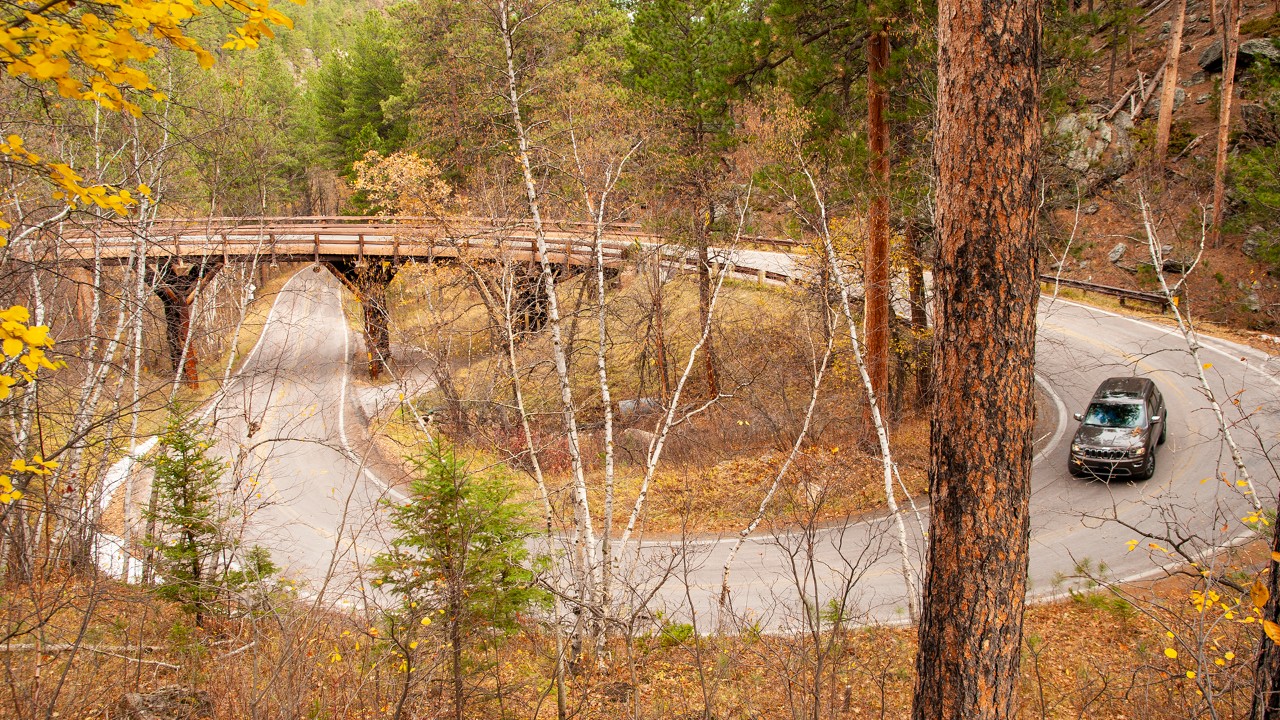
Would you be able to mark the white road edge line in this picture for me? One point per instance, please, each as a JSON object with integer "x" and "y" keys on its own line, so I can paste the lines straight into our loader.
{"x": 342, "y": 407}
{"x": 1227, "y": 348}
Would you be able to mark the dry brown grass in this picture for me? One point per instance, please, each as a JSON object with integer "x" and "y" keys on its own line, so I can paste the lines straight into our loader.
{"x": 1092, "y": 656}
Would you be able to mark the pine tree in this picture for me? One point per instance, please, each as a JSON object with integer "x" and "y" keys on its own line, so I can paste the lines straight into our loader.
{"x": 459, "y": 557}
{"x": 198, "y": 563}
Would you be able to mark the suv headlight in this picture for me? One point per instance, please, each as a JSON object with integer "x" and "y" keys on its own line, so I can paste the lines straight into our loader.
{"x": 1076, "y": 447}
{"x": 1138, "y": 451}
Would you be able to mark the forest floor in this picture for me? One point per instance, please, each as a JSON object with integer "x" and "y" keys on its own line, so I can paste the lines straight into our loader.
{"x": 1154, "y": 649}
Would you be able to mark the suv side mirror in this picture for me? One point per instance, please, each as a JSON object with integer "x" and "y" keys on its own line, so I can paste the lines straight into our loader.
{"x": 1078, "y": 416}
{"x": 1155, "y": 419}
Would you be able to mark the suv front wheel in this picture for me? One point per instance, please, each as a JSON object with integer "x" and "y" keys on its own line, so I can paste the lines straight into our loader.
{"x": 1150, "y": 468}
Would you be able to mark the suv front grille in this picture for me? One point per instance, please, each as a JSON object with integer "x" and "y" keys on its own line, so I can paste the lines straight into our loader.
{"x": 1104, "y": 453}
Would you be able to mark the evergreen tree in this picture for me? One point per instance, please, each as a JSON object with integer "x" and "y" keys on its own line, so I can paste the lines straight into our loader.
{"x": 188, "y": 540}
{"x": 193, "y": 551}
{"x": 355, "y": 96}
{"x": 459, "y": 557}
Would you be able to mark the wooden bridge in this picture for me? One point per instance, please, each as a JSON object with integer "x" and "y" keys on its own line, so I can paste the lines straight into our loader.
{"x": 363, "y": 252}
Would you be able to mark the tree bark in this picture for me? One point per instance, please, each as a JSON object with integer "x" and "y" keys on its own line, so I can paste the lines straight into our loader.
{"x": 1266, "y": 683}
{"x": 876, "y": 280}
{"x": 986, "y": 157}
{"x": 1230, "y": 45}
{"x": 1169, "y": 92}
{"x": 919, "y": 312}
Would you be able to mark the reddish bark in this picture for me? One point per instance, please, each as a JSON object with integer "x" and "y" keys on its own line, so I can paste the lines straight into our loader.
{"x": 986, "y": 156}
{"x": 1168, "y": 93}
{"x": 876, "y": 278}
{"x": 1230, "y": 47}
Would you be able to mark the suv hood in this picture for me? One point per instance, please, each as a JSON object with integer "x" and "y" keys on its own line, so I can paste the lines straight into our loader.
{"x": 1106, "y": 437}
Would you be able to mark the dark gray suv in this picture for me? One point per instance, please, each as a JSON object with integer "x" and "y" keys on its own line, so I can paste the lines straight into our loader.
{"x": 1120, "y": 431}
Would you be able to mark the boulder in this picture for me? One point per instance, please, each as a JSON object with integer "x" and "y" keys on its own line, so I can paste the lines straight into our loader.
{"x": 1101, "y": 150}
{"x": 639, "y": 407}
{"x": 1153, "y": 107}
{"x": 1117, "y": 252}
{"x": 175, "y": 702}
{"x": 1260, "y": 48}
{"x": 1210, "y": 59}
{"x": 1091, "y": 209}
{"x": 1251, "y": 245}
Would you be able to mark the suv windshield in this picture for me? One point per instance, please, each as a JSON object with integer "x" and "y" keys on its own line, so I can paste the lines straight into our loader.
{"x": 1115, "y": 415}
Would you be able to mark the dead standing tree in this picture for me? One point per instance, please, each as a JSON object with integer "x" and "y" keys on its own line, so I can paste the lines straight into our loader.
{"x": 986, "y": 156}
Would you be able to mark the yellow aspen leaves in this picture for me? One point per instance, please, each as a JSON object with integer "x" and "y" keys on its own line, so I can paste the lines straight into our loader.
{"x": 98, "y": 56}
{"x": 7, "y": 493}
{"x": 426, "y": 621}
{"x": 1259, "y": 594}
{"x": 1272, "y": 630}
{"x": 24, "y": 342}
{"x": 1171, "y": 653}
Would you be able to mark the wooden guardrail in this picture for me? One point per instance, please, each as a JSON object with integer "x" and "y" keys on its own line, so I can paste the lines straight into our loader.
{"x": 1125, "y": 294}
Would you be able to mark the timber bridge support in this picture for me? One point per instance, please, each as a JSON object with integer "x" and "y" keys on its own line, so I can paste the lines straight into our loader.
{"x": 177, "y": 284}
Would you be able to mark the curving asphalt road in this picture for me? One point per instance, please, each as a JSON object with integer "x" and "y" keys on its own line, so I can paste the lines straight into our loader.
{"x": 318, "y": 501}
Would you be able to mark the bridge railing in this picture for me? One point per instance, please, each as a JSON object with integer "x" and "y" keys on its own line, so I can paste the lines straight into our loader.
{"x": 339, "y": 225}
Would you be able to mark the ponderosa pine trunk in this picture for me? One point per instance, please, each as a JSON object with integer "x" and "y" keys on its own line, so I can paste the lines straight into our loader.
{"x": 1266, "y": 676}
{"x": 876, "y": 282}
{"x": 986, "y": 158}
{"x": 1230, "y": 46}
{"x": 1168, "y": 93}
{"x": 919, "y": 311}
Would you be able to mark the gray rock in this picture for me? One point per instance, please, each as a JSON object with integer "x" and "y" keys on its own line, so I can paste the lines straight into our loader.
{"x": 1092, "y": 145}
{"x": 1166, "y": 250}
{"x": 1198, "y": 77}
{"x": 1252, "y": 302}
{"x": 1091, "y": 209}
{"x": 174, "y": 702}
{"x": 1251, "y": 246}
{"x": 1210, "y": 59}
{"x": 1165, "y": 27}
{"x": 638, "y": 407}
{"x": 1085, "y": 264}
{"x": 1117, "y": 252}
{"x": 1202, "y": 99}
{"x": 635, "y": 443}
{"x": 1153, "y": 107}
{"x": 1260, "y": 48}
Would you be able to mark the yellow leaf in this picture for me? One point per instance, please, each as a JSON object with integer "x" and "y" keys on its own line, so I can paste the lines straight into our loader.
{"x": 1170, "y": 653}
{"x": 1275, "y": 556}
{"x": 1208, "y": 366}
{"x": 1272, "y": 630}
{"x": 1191, "y": 674}
{"x": 1259, "y": 594}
